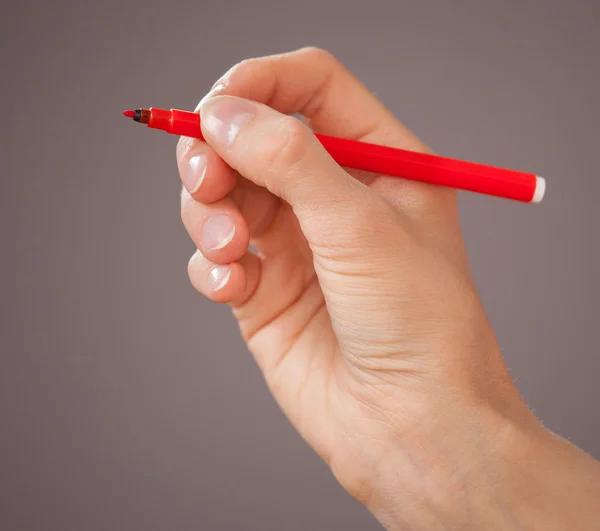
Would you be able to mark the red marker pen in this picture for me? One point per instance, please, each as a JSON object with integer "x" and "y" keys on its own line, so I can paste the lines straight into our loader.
{"x": 394, "y": 162}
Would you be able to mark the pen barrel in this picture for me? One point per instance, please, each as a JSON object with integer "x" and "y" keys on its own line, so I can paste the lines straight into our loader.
{"x": 176, "y": 122}
{"x": 185, "y": 123}
{"x": 431, "y": 169}
{"x": 423, "y": 167}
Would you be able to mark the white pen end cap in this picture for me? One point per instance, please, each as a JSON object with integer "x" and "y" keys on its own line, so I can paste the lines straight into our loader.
{"x": 540, "y": 189}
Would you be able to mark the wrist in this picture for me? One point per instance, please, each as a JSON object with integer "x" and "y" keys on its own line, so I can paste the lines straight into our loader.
{"x": 550, "y": 483}
{"x": 495, "y": 471}
{"x": 450, "y": 472}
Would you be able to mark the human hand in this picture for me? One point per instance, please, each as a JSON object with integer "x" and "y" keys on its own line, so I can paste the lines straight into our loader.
{"x": 359, "y": 306}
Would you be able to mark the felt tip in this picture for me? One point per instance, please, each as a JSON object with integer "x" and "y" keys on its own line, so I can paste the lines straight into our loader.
{"x": 129, "y": 113}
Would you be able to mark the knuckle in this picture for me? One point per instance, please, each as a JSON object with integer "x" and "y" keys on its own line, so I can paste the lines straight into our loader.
{"x": 245, "y": 62}
{"x": 242, "y": 65}
{"x": 231, "y": 71}
{"x": 253, "y": 68}
{"x": 287, "y": 144}
{"x": 319, "y": 54}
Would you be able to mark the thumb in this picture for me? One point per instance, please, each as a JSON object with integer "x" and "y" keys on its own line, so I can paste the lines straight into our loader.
{"x": 281, "y": 154}
{"x": 355, "y": 236}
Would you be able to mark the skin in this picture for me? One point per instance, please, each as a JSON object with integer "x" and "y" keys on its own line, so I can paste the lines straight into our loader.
{"x": 360, "y": 309}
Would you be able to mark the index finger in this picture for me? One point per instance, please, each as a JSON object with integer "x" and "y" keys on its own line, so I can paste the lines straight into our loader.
{"x": 315, "y": 84}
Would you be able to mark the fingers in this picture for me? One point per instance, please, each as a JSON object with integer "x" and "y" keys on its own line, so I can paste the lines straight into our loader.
{"x": 313, "y": 83}
{"x": 248, "y": 285}
{"x": 205, "y": 176}
{"x": 281, "y": 154}
{"x": 267, "y": 147}
{"x": 218, "y": 282}
{"x": 217, "y": 229}
{"x": 208, "y": 179}
{"x": 225, "y": 283}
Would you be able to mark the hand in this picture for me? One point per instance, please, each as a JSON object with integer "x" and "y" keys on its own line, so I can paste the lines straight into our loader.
{"x": 358, "y": 305}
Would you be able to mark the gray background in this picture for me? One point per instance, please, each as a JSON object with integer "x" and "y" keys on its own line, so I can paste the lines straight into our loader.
{"x": 127, "y": 402}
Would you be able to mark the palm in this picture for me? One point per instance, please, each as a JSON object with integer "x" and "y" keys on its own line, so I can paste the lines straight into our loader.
{"x": 289, "y": 330}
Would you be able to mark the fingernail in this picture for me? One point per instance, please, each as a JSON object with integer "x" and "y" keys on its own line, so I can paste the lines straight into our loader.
{"x": 223, "y": 117}
{"x": 218, "y": 87}
{"x": 195, "y": 173}
{"x": 219, "y": 276}
{"x": 217, "y": 232}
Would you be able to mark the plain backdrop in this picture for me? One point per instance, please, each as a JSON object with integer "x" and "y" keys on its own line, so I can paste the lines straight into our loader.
{"x": 127, "y": 401}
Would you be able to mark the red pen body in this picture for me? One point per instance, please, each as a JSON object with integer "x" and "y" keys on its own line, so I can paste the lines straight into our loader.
{"x": 394, "y": 162}
{"x": 433, "y": 169}
{"x": 176, "y": 122}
